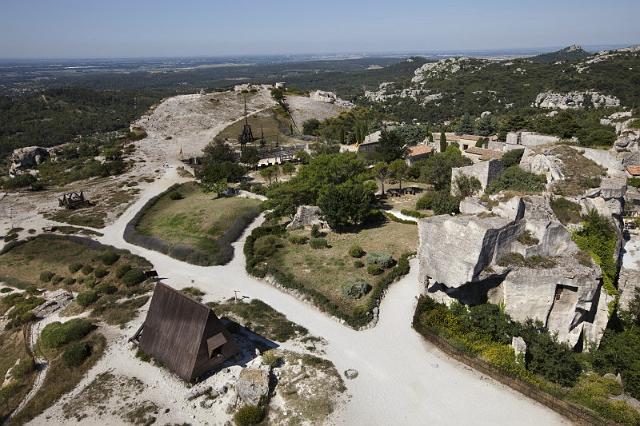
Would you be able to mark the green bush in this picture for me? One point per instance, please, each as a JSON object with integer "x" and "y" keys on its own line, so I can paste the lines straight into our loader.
{"x": 441, "y": 202}
{"x": 6, "y": 290}
{"x": 76, "y": 354}
{"x": 356, "y": 290}
{"x": 107, "y": 288}
{"x": 100, "y": 272}
{"x": 267, "y": 245}
{"x": 373, "y": 269}
{"x": 122, "y": 269}
{"x": 175, "y": 195}
{"x": 87, "y": 269}
{"x": 75, "y": 267}
{"x": 383, "y": 260}
{"x": 512, "y": 158}
{"x": 109, "y": 258}
{"x": 566, "y": 211}
{"x": 25, "y": 367}
{"x": 315, "y": 231}
{"x": 133, "y": 277}
{"x": 249, "y": 415}
{"x": 298, "y": 239}
{"x": 635, "y": 182}
{"x": 57, "y": 279}
{"x": 356, "y": 251}
{"x": 358, "y": 264}
{"x": 318, "y": 243}
{"x": 45, "y": 276}
{"x": 58, "y": 334}
{"x": 528, "y": 239}
{"x": 86, "y": 298}
{"x": 516, "y": 179}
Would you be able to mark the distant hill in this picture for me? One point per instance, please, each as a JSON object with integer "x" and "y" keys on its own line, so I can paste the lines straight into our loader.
{"x": 568, "y": 54}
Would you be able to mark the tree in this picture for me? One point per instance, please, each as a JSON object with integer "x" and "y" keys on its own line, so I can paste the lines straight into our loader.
{"x": 268, "y": 173}
{"x": 288, "y": 169}
{"x": 219, "y": 152}
{"x": 486, "y": 126}
{"x": 212, "y": 172}
{"x": 346, "y": 204}
{"x": 381, "y": 172}
{"x": 390, "y": 147}
{"x": 443, "y": 141}
{"x": 436, "y": 169}
{"x": 311, "y": 127}
{"x": 398, "y": 170}
{"x": 465, "y": 186}
{"x": 465, "y": 126}
{"x": 216, "y": 187}
{"x": 412, "y": 134}
{"x": 512, "y": 157}
{"x": 250, "y": 156}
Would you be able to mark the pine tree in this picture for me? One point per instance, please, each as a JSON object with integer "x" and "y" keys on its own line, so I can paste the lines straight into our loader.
{"x": 443, "y": 142}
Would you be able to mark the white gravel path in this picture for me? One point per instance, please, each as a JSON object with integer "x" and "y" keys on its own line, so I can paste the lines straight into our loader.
{"x": 402, "y": 380}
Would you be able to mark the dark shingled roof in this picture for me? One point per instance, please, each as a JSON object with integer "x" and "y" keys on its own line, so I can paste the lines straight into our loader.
{"x": 184, "y": 335}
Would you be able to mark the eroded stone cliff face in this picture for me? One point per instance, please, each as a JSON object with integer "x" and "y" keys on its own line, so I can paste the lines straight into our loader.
{"x": 520, "y": 256}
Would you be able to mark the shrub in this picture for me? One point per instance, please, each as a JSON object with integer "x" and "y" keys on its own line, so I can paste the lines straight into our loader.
{"x": 527, "y": 239}
{"x": 133, "y": 277}
{"x": 358, "y": 263}
{"x": 142, "y": 356}
{"x": 635, "y": 182}
{"x": 175, "y": 195}
{"x": 298, "y": 239}
{"x": 512, "y": 157}
{"x": 374, "y": 269}
{"x": 86, "y": 298}
{"x": 75, "y": 267}
{"x": 356, "y": 251}
{"x": 45, "y": 276}
{"x": 267, "y": 245}
{"x": 271, "y": 358}
{"x": 516, "y": 179}
{"x": 248, "y": 415}
{"x": 315, "y": 231}
{"x": 122, "y": 269}
{"x": 87, "y": 269}
{"x": 58, "y": 334}
{"x": 318, "y": 243}
{"x": 412, "y": 213}
{"x": 6, "y": 290}
{"x": 383, "y": 260}
{"x": 566, "y": 211}
{"x": 109, "y": 258}
{"x": 100, "y": 272}
{"x": 107, "y": 288}
{"x": 76, "y": 354}
{"x": 57, "y": 279}
{"x": 356, "y": 290}
{"x": 441, "y": 202}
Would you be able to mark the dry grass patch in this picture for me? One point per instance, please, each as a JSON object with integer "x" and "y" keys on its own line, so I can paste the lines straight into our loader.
{"x": 60, "y": 378}
{"x": 328, "y": 270}
{"x": 580, "y": 173}
{"x": 12, "y": 349}
{"x": 272, "y": 122}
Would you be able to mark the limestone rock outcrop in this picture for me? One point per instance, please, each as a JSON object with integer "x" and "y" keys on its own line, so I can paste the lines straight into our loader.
{"x": 306, "y": 217}
{"x": 485, "y": 171}
{"x": 520, "y": 256}
{"x": 542, "y": 163}
{"x": 27, "y": 158}
{"x": 574, "y": 100}
{"x": 253, "y": 385}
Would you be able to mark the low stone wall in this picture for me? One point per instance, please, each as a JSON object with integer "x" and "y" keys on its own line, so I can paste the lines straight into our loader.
{"x": 572, "y": 412}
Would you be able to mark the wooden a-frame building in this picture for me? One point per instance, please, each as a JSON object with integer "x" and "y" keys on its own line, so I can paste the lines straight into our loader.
{"x": 184, "y": 334}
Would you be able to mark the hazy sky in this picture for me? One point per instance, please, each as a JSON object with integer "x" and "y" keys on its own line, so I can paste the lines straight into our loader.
{"x": 134, "y": 28}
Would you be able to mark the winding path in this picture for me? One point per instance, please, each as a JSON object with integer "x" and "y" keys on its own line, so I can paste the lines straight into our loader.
{"x": 402, "y": 379}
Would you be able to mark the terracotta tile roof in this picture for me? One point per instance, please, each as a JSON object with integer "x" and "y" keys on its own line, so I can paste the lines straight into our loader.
{"x": 420, "y": 150}
{"x": 633, "y": 170}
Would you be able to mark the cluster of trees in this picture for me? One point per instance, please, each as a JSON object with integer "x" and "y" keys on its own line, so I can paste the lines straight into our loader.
{"x": 338, "y": 183}
{"x": 350, "y": 126}
{"x": 57, "y": 116}
{"x": 220, "y": 165}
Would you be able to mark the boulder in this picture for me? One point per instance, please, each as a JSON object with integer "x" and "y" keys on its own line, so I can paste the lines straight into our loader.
{"x": 197, "y": 391}
{"x": 306, "y": 217}
{"x": 351, "y": 373}
{"x": 542, "y": 163}
{"x": 611, "y": 188}
{"x": 472, "y": 205}
{"x": 519, "y": 347}
{"x": 27, "y": 157}
{"x": 253, "y": 385}
{"x": 628, "y": 283}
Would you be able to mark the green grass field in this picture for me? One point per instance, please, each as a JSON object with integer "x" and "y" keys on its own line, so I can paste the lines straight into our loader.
{"x": 197, "y": 220}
